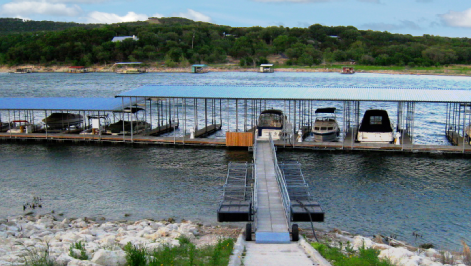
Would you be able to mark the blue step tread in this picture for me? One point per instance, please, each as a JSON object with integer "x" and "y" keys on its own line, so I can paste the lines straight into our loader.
{"x": 272, "y": 238}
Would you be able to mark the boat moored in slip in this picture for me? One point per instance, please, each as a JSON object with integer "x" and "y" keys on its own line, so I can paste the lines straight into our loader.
{"x": 272, "y": 122}
{"x": 126, "y": 127}
{"x": 62, "y": 120}
{"x": 21, "y": 126}
{"x": 375, "y": 127}
{"x": 325, "y": 128}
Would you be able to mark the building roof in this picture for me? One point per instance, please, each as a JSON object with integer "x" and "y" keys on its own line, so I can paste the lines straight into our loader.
{"x": 62, "y": 103}
{"x": 302, "y": 93}
{"x": 199, "y": 65}
{"x": 266, "y": 65}
{"x": 122, "y": 38}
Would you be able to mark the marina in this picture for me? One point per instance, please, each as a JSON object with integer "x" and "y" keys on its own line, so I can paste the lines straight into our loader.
{"x": 167, "y": 114}
{"x": 410, "y": 180}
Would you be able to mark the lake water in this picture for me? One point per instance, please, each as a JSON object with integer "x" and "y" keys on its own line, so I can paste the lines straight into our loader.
{"x": 366, "y": 193}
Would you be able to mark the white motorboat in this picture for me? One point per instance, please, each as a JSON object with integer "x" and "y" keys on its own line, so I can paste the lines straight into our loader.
{"x": 21, "y": 126}
{"x": 325, "y": 126}
{"x": 376, "y": 127}
{"x": 272, "y": 122}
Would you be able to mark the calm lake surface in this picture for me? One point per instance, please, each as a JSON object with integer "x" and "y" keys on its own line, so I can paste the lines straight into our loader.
{"x": 366, "y": 193}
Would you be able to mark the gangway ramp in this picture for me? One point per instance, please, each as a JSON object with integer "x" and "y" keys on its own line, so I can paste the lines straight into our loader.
{"x": 271, "y": 220}
{"x": 272, "y": 195}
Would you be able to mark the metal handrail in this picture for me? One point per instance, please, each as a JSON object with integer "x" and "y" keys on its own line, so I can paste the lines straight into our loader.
{"x": 281, "y": 184}
{"x": 254, "y": 176}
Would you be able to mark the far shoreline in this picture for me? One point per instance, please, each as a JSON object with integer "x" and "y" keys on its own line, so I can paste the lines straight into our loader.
{"x": 445, "y": 71}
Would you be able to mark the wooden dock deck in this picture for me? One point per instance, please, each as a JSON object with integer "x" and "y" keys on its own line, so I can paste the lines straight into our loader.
{"x": 271, "y": 223}
{"x": 347, "y": 144}
{"x": 206, "y": 131}
{"x": 162, "y": 129}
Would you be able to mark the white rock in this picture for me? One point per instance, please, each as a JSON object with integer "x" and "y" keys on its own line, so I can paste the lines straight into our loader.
{"x": 76, "y": 262}
{"x": 110, "y": 257}
{"x": 360, "y": 242}
{"x": 431, "y": 252}
{"x": 136, "y": 241}
{"x": 380, "y": 246}
{"x": 163, "y": 231}
{"x": 86, "y": 238}
{"x": 108, "y": 240}
{"x": 429, "y": 262}
{"x": 64, "y": 259}
{"x": 396, "y": 255}
{"x": 70, "y": 238}
{"x": 156, "y": 226}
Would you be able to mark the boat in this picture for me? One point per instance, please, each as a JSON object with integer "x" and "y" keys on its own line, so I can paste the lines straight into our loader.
{"x": 325, "y": 126}
{"x": 25, "y": 70}
{"x": 62, "y": 120}
{"x": 124, "y": 127}
{"x": 77, "y": 69}
{"x": 4, "y": 126}
{"x": 375, "y": 127}
{"x": 272, "y": 122}
{"x": 347, "y": 70}
{"x": 21, "y": 126}
{"x": 131, "y": 71}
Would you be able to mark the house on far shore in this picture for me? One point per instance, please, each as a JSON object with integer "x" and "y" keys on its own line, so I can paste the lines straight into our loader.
{"x": 122, "y": 38}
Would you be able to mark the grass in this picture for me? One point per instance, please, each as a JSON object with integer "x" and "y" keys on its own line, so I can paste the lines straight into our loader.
{"x": 79, "y": 246}
{"x": 37, "y": 257}
{"x": 337, "y": 257}
{"x": 186, "y": 254}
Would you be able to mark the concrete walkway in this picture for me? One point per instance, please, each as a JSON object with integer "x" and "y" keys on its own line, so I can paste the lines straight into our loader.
{"x": 276, "y": 254}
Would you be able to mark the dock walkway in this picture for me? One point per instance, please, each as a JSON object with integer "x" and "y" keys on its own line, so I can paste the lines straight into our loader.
{"x": 271, "y": 224}
{"x": 272, "y": 244}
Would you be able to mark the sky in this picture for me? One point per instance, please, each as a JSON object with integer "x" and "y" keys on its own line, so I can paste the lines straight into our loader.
{"x": 447, "y": 18}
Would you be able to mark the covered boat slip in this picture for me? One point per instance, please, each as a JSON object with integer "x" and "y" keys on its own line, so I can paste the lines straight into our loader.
{"x": 228, "y": 115}
{"x": 243, "y": 104}
{"x": 60, "y": 115}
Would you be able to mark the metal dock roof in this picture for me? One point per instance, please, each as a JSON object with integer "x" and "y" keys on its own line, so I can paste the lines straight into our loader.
{"x": 302, "y": 93}
{"x": 62, "y": 103}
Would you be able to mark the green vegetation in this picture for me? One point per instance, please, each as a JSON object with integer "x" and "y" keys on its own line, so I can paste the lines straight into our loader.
{"x": 348, "y": 257}
{"x": 37, "y": 257}
{"x": 78, "y": 246}
{"x": 185, "y": 254}
{"x": 179, "y": 42}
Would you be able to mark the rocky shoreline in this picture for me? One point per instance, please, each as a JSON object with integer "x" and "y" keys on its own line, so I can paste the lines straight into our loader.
{"x": 23, "y": 236}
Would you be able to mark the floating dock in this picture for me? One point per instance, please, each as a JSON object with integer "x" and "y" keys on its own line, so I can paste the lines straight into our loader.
{"x": 272, "y": 195}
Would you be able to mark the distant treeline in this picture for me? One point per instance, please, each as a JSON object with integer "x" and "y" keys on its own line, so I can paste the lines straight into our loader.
{"x": 178, "y": 41}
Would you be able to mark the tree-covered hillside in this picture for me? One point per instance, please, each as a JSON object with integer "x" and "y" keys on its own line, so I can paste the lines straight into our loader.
{"x": 181, "y": 41}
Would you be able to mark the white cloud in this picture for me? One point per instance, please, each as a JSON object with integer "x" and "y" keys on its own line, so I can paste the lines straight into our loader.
{"x": 26, "y": 8}
{"x": 157, "y": 15}
{"x": 101, "y": 17}
{"x": 194, "y": 15}
{"x": 457, "y": 19}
